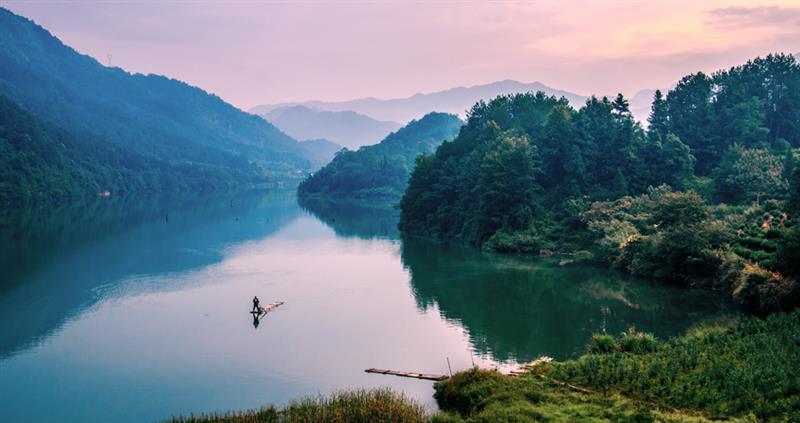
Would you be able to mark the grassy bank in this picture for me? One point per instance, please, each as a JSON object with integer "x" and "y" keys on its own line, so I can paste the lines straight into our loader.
{"x": 743, "y": 372}
{"x": 357, "y": 406}
{"x": 738, "y": 372}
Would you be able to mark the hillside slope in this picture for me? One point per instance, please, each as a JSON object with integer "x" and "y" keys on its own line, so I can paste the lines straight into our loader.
{"x": 149, "y": 115}
{"x": 381, "y": 171}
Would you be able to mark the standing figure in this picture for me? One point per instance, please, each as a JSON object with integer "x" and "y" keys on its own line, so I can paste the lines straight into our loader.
{"x": 255, "y": 304}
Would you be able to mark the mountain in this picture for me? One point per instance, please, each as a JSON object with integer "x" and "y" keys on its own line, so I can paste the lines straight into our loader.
{"x": 640, "y": 104}
{"x": 321, "y": 151}
{"x": 455, "y": 101}
{"x": 40, "y": 161}
{"x": 347, "y": 128}
{"x": 150, "y": 117}
{"x": 380, "y": 172}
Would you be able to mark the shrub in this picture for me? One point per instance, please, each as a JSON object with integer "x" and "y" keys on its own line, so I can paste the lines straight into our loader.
{"x": 637, "y": 342}
{"x": 602, "y": 344}
{"x": 761, "y": 291}
{"x": 505, "y": 241}
{"x": 466, "y": 392}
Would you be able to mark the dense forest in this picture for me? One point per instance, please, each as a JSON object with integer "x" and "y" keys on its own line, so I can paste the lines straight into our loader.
{"x": 126, "y": 122}
{"x": 39, "y": 161}
{"x": 380, "y": 172}
{"x": 707, "y": 195}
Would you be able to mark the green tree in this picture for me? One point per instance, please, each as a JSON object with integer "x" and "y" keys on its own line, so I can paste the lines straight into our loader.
{"x": 507, "y": 185}
{"x": 747, "y": 174}
{"x": 658, "y": 120}
{"x": 691, "y": 117}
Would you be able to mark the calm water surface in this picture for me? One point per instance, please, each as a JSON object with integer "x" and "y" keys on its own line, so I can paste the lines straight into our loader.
{"x": 137, "y": 309}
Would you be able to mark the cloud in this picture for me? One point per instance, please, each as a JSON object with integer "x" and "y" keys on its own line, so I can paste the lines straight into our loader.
{"x": 743, "y": 17}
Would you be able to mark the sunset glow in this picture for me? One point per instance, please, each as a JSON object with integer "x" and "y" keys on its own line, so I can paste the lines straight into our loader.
{"x": 284, "y": 51}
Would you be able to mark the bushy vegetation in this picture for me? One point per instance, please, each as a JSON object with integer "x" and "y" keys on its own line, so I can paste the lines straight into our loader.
{"x": 743, "y": 372}
{"x": 702, "y": 197}
{"x": 380, "y": 172}
{"x": 488, "y": 396}
{"x": 358, "y": 406}
{"x": 750, "y": 367}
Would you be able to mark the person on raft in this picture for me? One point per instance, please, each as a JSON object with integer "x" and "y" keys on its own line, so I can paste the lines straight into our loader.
{"x": 255, "y": 304}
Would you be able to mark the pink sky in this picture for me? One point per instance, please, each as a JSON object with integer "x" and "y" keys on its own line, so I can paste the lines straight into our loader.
{"x": 255, "y": 52}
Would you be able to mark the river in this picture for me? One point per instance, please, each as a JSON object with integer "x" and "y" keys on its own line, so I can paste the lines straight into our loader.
{"x": 136, "y": 309}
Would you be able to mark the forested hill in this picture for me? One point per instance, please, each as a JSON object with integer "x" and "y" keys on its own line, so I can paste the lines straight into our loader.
{"x": 529, "y": 173}
{"x": 380, "y": 172}
{"x": 147, "y": 115}
{"x": 39, "y": 161}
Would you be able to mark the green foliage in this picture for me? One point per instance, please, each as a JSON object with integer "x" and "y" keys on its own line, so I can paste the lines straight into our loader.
{"x": 755, "y": 106}
{"x": 747, "y": 175}
{"x": 507, "y": 186}
{"x": 759, "y": 290}
{"x": 749, "y": 368}
{"x": 521, "y": 155}
{"x": 380, "y": 172}
{"x": 637, "y": 342}
{"x": 630, "y": 341}
{"x": 789, "y": 252}
{"x": 602, "y": 344}
{"x": 529, "y": 174}
{"x": 467, "y": 392}
{"x": 662, "y": 234}
{"x": 358, "y": 406}
{"x": 487, "y": 396}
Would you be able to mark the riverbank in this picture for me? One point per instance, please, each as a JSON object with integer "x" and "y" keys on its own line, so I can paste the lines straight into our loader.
{"x": 743, "y": 371}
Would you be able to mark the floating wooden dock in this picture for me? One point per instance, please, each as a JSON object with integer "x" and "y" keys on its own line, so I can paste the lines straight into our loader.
{"x": 425, "y": 376}
{"x": 268, "y": 307}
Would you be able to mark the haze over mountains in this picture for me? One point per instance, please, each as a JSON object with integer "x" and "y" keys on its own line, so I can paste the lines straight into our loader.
{"x": 320, "y": 150}
{"x": 455, "y": 100}
{"x": 347, "y": 128}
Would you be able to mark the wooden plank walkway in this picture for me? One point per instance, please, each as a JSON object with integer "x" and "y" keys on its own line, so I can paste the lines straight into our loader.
{"x": 268, "y": 307}
{"x": 425, "y": 376}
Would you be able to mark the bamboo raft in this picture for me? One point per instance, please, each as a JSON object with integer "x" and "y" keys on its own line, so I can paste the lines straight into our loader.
{"x": 425, "y": 376}
{"x": 268, "y": 307}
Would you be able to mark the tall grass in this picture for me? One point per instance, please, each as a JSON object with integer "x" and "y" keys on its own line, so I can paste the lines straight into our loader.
{"x": 355, "y": 406}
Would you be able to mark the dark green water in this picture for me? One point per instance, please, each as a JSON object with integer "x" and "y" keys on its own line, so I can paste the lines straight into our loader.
{"x": 136, "y": 309}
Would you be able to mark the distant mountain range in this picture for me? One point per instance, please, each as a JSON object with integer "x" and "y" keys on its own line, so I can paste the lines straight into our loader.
{"x": 183, "y": 136}
{"x": 347, "y": 128}
{"x": 455, "y": 100}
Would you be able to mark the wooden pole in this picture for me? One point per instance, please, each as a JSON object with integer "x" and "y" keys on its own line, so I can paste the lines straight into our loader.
{"x": 448, "y": 366}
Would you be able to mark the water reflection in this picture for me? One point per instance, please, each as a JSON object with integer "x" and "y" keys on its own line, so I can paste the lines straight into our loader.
{"x": 60, "y": 261}
{"x": 517, "y": 309}
{"x": 354, "y": 220}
